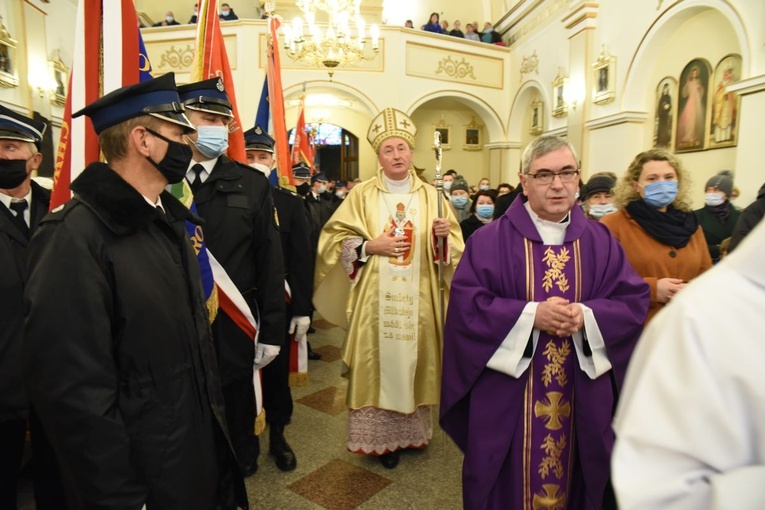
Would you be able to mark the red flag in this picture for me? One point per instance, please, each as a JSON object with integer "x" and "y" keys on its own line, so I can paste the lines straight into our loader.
{"x": 276, "y": 98}
{"x": 211, "y": 60}
{"x": 301, "y": 147}
{"x": 107, "y": 55}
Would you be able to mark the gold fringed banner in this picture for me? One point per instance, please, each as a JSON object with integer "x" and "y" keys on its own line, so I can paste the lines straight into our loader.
{"x": 298, "y": 379}
{"x": 260, "y": 423}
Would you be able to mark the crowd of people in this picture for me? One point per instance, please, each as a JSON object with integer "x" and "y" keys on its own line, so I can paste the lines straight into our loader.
{"x": 144, "y": 387}
{"x": 435, "y": 25}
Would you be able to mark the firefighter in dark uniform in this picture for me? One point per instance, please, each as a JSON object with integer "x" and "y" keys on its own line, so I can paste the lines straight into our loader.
{"x": 118, "y": 357}
{"x": 24, "y": 204}
{"x": 242, "y": 233}
{"x": 293, "y": 228}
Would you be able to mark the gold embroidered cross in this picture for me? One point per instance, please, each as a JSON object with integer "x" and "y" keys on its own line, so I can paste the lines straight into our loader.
{"x": 404, "y": 123}
{"x": 549, "y": 499}
{"x": 376, "y": 128}
{"x": 552, "y": 409}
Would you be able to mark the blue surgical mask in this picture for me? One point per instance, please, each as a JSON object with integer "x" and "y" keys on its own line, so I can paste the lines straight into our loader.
{"x": 485, "y": 211}
{"x": 484, "y": 187}
{"x": 660, "y": 194}
{"x": 212, "y": 141}
{"x": 459, "y": 202}
{"x": 597, "y": 211}
{"x": 714, "y": 199}
{"x": 447, "y": 185}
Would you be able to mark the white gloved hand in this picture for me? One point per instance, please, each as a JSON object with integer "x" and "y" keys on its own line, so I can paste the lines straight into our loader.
{"x": 299, "y": 325}
{"x": 265, "y": 354}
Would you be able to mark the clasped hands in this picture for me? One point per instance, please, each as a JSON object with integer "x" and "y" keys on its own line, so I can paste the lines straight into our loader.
{"x": 392, "y": 245}
{"x": 559, "y": 317}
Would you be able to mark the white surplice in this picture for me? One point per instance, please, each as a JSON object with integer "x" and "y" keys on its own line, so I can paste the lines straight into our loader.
{"x": 690, "y": 426}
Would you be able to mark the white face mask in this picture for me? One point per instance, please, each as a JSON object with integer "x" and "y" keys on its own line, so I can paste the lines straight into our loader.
{"x": 339, "y": 194}
{"x": 447, "y": 185}
{"x": 484, "y": 187}
{"x": 714, "y": 199}
{"x": 169, "y": 19}
{"x": 260, "y": 167}
{"x": 597, "y": 211}
{"x": 322, "y": 188}
{"x": 225, "y": 13}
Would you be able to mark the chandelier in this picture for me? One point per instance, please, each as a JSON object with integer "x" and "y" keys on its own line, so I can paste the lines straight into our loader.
{"x": 336, "y": 46}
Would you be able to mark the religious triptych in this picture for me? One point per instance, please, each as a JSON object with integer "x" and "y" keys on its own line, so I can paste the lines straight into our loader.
{"x": 696, "y": 112}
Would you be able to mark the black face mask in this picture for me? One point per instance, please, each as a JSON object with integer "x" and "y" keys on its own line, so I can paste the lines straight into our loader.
{"x": 303, "y": 189}
{"x": 12, "y": 172}
{"x": 175, "y": 164}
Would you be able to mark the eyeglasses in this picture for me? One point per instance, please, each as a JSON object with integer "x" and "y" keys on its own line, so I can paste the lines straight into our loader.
{"x": 547, "y": 177}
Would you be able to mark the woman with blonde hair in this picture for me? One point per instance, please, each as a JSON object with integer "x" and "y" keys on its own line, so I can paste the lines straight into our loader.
{"x": 656, "y": 226}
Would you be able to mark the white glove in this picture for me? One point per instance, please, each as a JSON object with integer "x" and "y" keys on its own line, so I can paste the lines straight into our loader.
{"x": 299, "y": 325}
{"x": 265, "y": 354}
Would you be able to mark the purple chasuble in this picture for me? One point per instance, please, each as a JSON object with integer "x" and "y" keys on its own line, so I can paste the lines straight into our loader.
{"x": 542, "y": 439}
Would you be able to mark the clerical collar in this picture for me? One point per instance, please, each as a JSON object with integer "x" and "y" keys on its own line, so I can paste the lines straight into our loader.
{"x": 403, "y": 186}
{"x": 551, "y": 232}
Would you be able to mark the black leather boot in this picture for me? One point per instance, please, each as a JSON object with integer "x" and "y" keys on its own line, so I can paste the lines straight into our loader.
{"x": 389, "y": 460}
{"x": 283, "y": 455}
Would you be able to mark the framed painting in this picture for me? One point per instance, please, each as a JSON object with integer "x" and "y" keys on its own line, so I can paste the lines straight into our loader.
{"x": 60, "y": 75}
{"x": 725, "y": 106}
{"x": 560, "y": 108}
{"x": 604, "y": 79}
{"x": 446, "y": 136}
{"x": 537, "y": 117}
{"x": 666, "y": 105}
{"x": 693, "y": 91}
{"x": 472, "y": 139}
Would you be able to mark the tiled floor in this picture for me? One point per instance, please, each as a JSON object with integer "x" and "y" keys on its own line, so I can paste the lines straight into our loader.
{"x": 327, "y": 475}
{"x": 330, "y": 477}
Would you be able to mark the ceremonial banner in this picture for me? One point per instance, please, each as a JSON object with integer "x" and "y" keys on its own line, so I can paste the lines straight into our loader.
{"x": 108, "y": 54}
{"x": 210, "y": 61}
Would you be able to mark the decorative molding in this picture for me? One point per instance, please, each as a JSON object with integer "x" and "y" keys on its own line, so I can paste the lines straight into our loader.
{"x": 628, "y": 117}
{"x": 581, "y": 17}
{"x": 525, "y": 24}
{"x": 463, "y": 67}
{"x": 503, "y": 145}
{"x": 459, "y": 70}
{"x": 561, "y": 131}
{"x": 180, "y": 58}
{"x": 529, "y": 64}
{"x": 752, "y": 85}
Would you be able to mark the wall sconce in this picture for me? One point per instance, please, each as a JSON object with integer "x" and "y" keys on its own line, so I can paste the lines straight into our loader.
{"x": 40, "y": 80}
{"x": 574, "y": 92}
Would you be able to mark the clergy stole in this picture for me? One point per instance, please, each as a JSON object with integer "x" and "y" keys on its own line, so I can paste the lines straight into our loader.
{"x": 399, "y": 302}
{"x": 552, "y": 272}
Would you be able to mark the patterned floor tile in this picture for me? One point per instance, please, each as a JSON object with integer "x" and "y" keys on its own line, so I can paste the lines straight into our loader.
{"x": 330, "y": 400}
{"x": 322, "y": 324}
{"x": 339, "y": 486}
{"x": 329, "y": 353}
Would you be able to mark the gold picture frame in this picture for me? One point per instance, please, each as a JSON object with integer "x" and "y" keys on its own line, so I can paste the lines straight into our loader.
{"x": 8, "y": 75}
{"x": 537, "y": 117}
{"x": 472, "y": 136}
{"x": 446, "y": 133}
{"x": 560, "y": 107}
{"x": 604, "y": 78}
{"x": 60, "y": 76}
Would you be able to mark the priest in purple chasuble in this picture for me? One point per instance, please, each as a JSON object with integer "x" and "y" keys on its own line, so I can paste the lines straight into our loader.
{"x": 377, "y": 275}
{"x": 544, "y": 315}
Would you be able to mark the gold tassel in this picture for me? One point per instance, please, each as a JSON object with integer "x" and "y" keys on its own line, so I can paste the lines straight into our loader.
{"x": 213, "y": 304}
{"x": 298, "y": 379}
{"x": 260, "y": 423}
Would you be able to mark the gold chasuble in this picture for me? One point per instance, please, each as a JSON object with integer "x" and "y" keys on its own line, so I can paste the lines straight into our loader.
{"x": 389, "y": 305}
